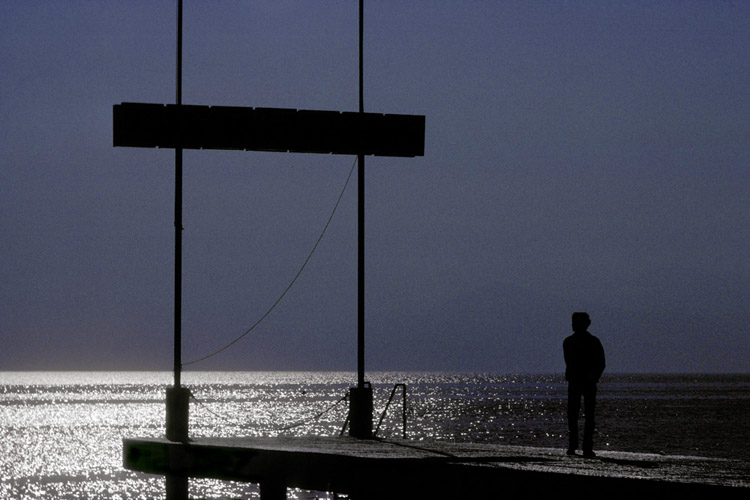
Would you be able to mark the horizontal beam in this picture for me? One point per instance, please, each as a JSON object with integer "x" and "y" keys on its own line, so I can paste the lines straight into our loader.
{"x": 147, "y": 125}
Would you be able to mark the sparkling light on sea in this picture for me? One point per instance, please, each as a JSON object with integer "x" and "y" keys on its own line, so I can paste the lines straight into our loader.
{"x": 62, "y": 432}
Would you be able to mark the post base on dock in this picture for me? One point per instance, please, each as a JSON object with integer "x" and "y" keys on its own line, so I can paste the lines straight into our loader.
{"x": 177, "y": 413}
{"x": 360, "y": 411}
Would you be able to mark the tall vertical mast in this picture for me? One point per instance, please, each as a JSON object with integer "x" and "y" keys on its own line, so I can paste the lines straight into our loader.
{"x": 177, "y": 396}
{"x": 178, "y": 216}
{"x": 361, "y": 222}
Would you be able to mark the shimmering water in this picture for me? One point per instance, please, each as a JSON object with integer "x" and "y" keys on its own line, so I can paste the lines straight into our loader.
{"x": 62, "y": 432}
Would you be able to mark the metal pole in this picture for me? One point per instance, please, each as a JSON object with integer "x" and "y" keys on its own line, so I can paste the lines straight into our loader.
{"x": 177, "y": 396}
{"x": 361, "y": 224}
{"x": 360, "y": 398}
{"x": 403, "y": 411}
{"x": 178, "y": 218}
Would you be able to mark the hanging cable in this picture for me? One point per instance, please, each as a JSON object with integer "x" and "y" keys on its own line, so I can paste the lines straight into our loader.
{"x": 309, "y": 256}
{"x": 233, "y": 420}
{"x": 225, "y": 418}
{"x": 316, "y": 417}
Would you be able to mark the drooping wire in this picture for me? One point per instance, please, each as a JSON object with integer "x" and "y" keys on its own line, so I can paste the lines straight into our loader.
{"x": 315, "y": 417}
{"x": 307, "y": 421}
{"x": 296, "y": 276}
{"x": 209, "y": 410}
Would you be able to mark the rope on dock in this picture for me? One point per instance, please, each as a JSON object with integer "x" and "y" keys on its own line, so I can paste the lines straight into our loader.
{"x": 221, "y": 417}
{"x": 294, "y": 280}
{"x": 316, "y": 417}
{"x": 285, "y": 428}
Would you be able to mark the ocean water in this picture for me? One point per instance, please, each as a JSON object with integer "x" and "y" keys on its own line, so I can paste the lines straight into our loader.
{"x": 62, "y": 431}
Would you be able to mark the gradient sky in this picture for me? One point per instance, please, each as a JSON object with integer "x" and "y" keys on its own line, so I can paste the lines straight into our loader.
{"x": 580, "y": 156}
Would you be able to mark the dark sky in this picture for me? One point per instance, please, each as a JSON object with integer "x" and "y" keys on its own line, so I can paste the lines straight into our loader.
{"x": 580, "y": 156}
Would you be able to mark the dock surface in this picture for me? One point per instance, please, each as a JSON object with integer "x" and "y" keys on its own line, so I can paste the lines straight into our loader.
{"x": 391, "y": 468}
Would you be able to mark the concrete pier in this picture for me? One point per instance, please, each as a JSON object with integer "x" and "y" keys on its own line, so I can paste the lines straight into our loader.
{"x": 395, "y": 469}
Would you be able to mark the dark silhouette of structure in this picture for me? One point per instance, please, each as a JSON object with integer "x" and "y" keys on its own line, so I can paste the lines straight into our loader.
{"x": 584, "y": 365}
{"x": 179, "y": 126}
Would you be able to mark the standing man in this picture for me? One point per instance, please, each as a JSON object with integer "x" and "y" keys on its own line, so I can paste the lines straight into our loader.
{"x": 584, "y": 364}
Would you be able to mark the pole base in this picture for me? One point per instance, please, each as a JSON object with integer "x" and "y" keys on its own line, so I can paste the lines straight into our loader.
{"x": 360, "y": 411}
{"x": 177, "y": 413}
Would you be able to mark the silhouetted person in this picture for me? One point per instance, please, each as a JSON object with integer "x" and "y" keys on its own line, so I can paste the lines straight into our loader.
{"x": 584, "y": 364}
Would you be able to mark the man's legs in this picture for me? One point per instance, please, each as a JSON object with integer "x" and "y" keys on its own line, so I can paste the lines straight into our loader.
{"x": 589, "y": 410}
{"x": 574, "y": 407}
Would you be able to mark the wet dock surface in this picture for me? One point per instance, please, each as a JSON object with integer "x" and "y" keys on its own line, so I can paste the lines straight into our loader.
{"x": 419, "y": 469}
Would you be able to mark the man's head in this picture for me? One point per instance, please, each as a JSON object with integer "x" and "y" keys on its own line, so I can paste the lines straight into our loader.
{"x": 580, "y": 321}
